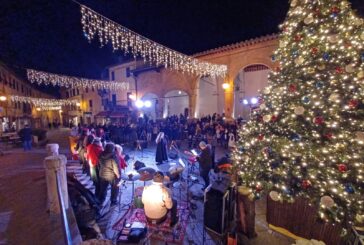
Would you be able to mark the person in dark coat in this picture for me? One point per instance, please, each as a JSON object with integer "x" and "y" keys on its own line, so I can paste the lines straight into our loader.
{"x": 26, "y": 137}
{"x": 109, "y": 173}
{"x": 205, "y": 162}
{"x": 161, "y": 152}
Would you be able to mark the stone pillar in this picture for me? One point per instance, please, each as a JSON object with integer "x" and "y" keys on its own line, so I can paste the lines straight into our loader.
{"x": 52, "y": 149}
{"x": 56, "y": 164}
{"x": 229, "y": 98}
{"x": 192, "y": 104}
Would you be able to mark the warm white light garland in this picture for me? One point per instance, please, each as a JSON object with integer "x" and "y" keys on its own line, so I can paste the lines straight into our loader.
{"x": 70, "y": 82}
{"x": 42, "y": 102}
{"x": 128, "y": 41}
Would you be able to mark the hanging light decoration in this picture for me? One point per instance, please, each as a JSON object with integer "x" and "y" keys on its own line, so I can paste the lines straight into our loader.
{"x": 49, "y": 108}
{"x": 42, "y": 102}
{"x": 128, "y": 41}
{"x": 71, "y": 82}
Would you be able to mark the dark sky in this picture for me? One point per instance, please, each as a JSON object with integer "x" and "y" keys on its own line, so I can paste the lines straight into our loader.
{"x": 47, "y": 34}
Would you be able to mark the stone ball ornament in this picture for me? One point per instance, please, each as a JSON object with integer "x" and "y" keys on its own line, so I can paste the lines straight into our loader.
{"x": 327, "y": 202}
{"x": 274, "y": 196}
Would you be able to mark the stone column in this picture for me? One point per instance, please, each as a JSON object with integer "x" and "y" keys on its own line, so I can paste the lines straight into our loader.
{"x": 52, "y": 149}
{"x": 229, "y": 98}
{"x": 56, "y": 164}
{"x": 192, "y": 104}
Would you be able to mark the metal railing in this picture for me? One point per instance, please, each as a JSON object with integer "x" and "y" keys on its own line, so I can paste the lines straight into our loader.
{"x": 65, "y": 224}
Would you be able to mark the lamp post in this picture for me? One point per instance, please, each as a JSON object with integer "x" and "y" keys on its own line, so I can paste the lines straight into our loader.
{"x": 3, "y": 103}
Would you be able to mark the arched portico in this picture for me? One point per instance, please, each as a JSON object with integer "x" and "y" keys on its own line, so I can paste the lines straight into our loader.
{"x": 150, "y": 105}
{"x": 176, "y": 102}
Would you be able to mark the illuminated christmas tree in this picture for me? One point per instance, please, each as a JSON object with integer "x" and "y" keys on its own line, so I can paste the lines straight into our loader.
{"x": 307, "y": 138}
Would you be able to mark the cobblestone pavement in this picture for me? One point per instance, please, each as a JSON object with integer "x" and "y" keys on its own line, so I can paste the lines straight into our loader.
{"x": 23, "y": 216}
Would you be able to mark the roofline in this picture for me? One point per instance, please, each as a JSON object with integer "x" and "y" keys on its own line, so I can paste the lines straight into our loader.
{"x": 241, "y": 44}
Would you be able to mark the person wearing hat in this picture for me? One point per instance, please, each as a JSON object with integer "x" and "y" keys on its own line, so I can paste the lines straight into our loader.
{"x": 205, "y": 162}
{"x": 109, "y": 173}
{"x": 157, "y": 200}
{"x": 93, "y": 152}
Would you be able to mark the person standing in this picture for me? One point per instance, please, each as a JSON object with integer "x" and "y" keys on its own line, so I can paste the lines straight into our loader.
{"x": 109, "y": 173}
{"x": 26, "y": 137}
{"x": 205, "y": 162}
{"x": 93, "y": 152}
{"x": 161, "y": 152}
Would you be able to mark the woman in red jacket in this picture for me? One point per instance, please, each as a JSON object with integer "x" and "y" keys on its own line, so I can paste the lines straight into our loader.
{"x": 93, "y": 152}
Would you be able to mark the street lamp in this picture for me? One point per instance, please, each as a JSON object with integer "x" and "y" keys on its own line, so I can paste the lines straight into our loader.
{"x": 2, "y": 98}
{"x": 225, "y": 86}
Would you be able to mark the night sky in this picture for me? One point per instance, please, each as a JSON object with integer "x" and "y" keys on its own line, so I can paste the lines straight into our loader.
{"x": 47, "y": 34}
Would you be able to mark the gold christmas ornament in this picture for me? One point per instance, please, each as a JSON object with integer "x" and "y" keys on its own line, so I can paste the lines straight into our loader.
{"x": 244, "y": 190}
{"x": 266, "y": 90}
{"x": 362, "y": 36}
{"x": 360, "y": 74}
{"x": 334, "y": 97}
{"x": 350, "y": 68}
{"x": 299, "y": 110}
{"x": 359, "y": 136}
{"x": 327, "y": 202}
{"x": 299, "y": 60}
{"x": 308, "y": 20}
{"x": 274, "y": 195}
{"x": 267, "y": 118}
{"x": 282, "y": 44}
{"x": 293, "y": 3}
{"x": 359, "y": 218}
{"x": 334, "y": 38}
{"x": 262, "y": 106}
{"x": 310, "y": 70}
{"x": 321, "y": 67}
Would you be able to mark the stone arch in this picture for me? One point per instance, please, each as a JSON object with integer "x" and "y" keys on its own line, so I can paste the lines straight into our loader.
{"x": 209, "y": 96}
{"x": 175, "y": 102}
{"x": 246, "y": 85}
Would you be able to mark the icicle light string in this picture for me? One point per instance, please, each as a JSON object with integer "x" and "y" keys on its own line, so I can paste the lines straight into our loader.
{"x": 46, "y": 78}
{"x": 43, "y": 102}
{"x": 126, "y": 40}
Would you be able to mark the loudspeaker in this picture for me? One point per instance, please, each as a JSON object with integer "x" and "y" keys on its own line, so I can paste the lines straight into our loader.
{"x": 216, "y": 211}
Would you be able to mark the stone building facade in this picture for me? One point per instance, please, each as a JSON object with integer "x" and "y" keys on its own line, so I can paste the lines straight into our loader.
{"x": 14, "y": 115}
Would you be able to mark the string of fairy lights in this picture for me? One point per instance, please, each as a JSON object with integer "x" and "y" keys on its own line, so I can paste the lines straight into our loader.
{"x": 46, "y": 78}
{"x": 121, "y": 38}
{"x": 43, "y": 103}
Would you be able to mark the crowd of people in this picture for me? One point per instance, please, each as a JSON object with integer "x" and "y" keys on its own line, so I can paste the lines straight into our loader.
{"x": 101, "y": 154}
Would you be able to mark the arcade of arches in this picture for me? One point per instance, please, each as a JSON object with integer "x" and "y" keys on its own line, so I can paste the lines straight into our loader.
{"x": 248, "y": 62}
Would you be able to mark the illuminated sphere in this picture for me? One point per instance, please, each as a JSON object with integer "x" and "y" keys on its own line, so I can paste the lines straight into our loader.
{"x": 327, "y": 202}
{"x": 308, "y": 20}
{"x": 253, "y": 100}
{"x": 147, "y": 104}
{"x": 299, "y": 110}
{"x": 274, "y": 195}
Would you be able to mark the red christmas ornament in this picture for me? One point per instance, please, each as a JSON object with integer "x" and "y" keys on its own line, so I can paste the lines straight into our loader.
{"x": 318, "y": 120}
{"x": 298, "y": 38}
{"x": 292, "y": 88}
{"x": 314, "y": 50}
{"x": 274, "y": 118}
{"x": 328, "y": 135}
{"x": 335, "y": 10}
{"x": 261, "y": 137}
{"x": 339, "y": 70}
{"x": 353, "y": 103}
{"x": 306, "y": 184}
{"x": 258, "y": 188}
{"x": 342, "y": 167}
